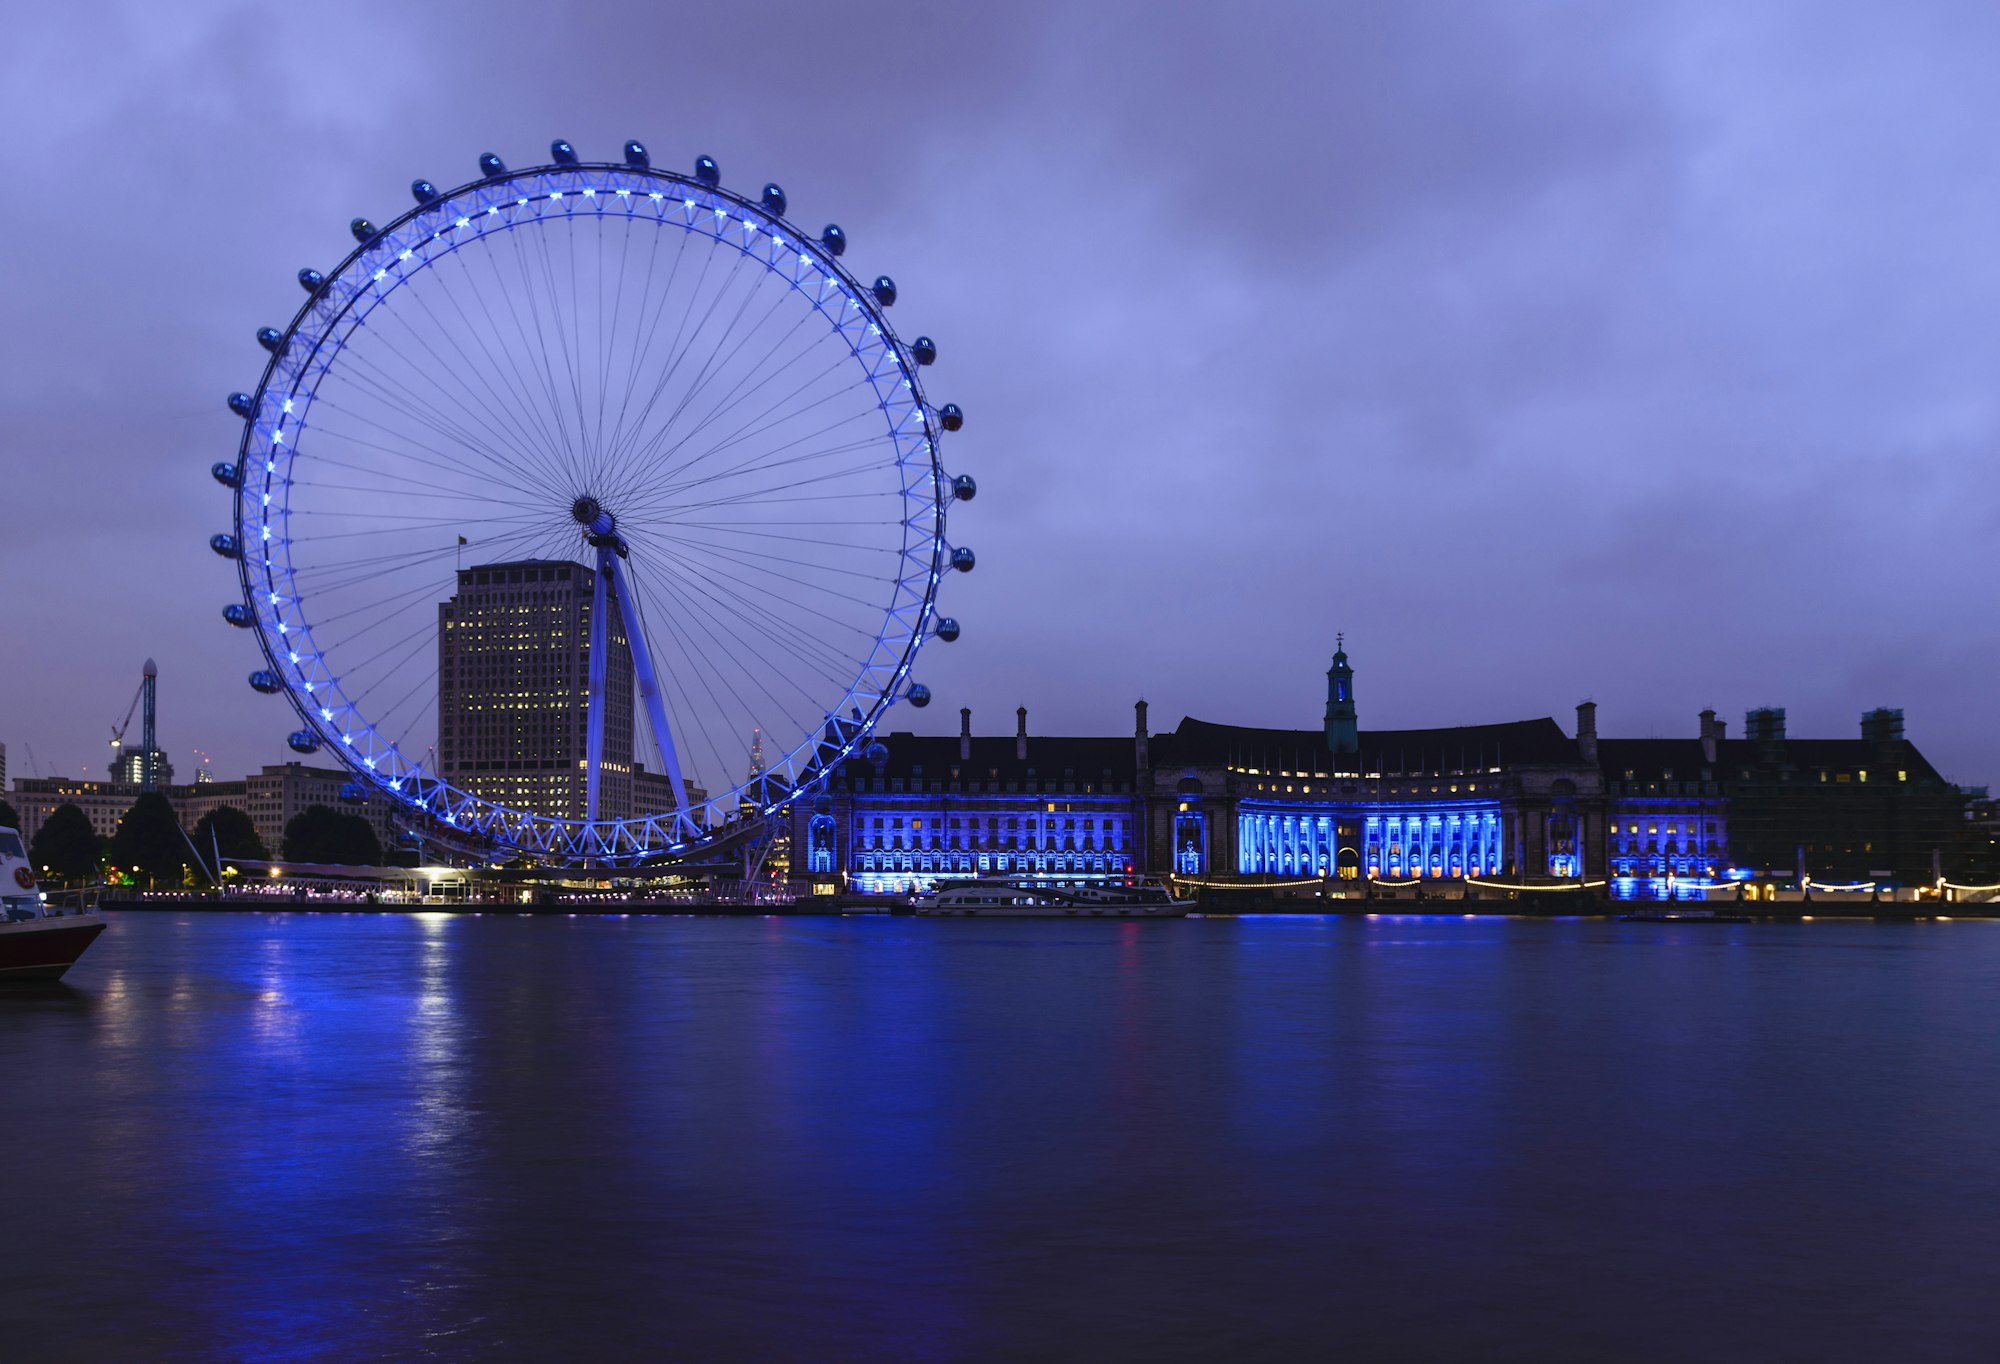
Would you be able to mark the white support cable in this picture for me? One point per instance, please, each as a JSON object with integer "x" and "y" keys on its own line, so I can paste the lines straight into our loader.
{"x": 649, "y": 687}
{"x": 593, "y": 757}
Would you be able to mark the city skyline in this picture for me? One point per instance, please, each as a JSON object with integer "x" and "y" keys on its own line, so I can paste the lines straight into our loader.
{"x": 1642, "y": 361}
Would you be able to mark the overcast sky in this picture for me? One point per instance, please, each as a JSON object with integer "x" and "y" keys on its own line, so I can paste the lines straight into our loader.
{"x": 1644, "y": 353}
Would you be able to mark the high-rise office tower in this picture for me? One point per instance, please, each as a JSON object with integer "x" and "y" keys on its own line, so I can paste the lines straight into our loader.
{"x": 514, "y": 690}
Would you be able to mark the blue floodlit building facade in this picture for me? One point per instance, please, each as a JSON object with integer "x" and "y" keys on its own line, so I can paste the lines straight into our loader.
{"x": 1345, "y": 804}
{"x": 1519, "y": 802}
{"x": 942, "y": 808}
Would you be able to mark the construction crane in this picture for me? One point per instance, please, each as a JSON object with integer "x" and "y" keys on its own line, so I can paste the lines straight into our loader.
{"x": 149, "y": 751}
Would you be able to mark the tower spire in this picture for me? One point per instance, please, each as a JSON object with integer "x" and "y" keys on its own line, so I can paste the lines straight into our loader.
{"x": 1342, "y": 735}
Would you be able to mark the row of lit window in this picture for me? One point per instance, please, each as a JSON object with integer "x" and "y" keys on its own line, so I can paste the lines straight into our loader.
{"x": 965, "y": 864}
{"x": 915, "y": 785}
{"x": 992, "y": 822}
{"x": 1303, "y": 789}
{"x": 1052, "y": 843}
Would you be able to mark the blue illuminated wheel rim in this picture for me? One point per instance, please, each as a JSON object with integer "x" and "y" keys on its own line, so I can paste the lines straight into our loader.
{"x": 581, "y": 360}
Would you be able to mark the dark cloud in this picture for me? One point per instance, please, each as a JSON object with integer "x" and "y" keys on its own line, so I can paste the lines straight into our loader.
{"x": 1550, "y": 350}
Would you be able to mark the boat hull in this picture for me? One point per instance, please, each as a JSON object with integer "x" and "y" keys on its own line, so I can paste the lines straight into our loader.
{"x": 1054, "y": 911}
{"x": 1051, "y": 913}
{"x": 45, "y": 948}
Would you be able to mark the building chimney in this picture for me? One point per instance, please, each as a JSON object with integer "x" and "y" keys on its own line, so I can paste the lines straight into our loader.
{"x": 965, "y": 734}
{"x": 1586, "y": 730}
{"x": 1882, "y": 726}
{"x": 1765, "y": 725}
{"x": 1021, "y": 733}
{"x": 1711, "y": 737}
{"x": 1141, "y": 750}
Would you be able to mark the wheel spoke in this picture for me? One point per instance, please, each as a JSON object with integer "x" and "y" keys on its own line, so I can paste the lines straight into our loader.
{"x": 576, "y": 465}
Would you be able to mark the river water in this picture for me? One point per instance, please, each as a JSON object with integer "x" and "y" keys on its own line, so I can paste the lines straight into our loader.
{"x": 324, "y": 1136}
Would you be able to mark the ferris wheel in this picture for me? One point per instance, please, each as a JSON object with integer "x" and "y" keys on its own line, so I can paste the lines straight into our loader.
{"x": 568, "y": 483}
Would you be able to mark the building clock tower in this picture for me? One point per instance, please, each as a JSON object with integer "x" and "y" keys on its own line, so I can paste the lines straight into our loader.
{"x": 1341, "y": 734}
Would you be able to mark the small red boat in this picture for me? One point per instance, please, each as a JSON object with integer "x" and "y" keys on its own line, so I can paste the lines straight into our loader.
{"x": 38, "y": 940}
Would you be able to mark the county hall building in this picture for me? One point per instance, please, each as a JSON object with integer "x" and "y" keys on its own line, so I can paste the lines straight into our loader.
{"x": 1522, "y": 802}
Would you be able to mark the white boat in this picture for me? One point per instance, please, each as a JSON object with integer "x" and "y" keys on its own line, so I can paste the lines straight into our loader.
{"x": 1000, "y": 897}
{"x": 38, "y": 940}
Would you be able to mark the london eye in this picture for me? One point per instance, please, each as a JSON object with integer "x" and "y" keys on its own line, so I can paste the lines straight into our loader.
{"x": 567, "y": 482}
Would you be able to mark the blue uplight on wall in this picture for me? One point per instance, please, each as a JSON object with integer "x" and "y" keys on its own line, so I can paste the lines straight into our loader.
{"x": 1190, "y": 843}
{"x": 819, "y": 844}
{"x": 1435, "y": 841}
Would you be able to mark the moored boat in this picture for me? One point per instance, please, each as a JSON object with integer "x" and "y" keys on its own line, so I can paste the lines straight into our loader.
{"x": 1026, "y": 898}
{"x": 1669, "y": 915}
{"x": 38, "y": 940}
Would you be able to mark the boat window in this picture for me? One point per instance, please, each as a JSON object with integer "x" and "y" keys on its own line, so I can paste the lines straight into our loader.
{"x": 10, "y": 845}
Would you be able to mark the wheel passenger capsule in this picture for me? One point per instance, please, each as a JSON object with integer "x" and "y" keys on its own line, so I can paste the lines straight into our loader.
{"x": 225, "y": 545}
{"x": 303, "y": 741}
{"x": 834, "y": 240}
{"x": 963, "y": 488}
{"x": 636, "y": 156}
{"x": 947, "y": 629}
{"x": 223, "y": 472}
{"x": 950, "y": 418}
{"x": 918, "y": 695}
{"x": 706, "y": 171}
{"x": 310, "y": 280}
{"x": 923, "y": 350}
{"x": 265, "y": 681}
{"x": 270, "y": 338}
{"x": 562, "y": 153}
{"x": 884, "y": 290}
{"x": 424, "y": 192}
{"x": 878, "y": 753}
{"x": 491, "y": 166}
{"x": 237, "y": 614}
{"x": 774, "y": 201}
{"x": 242, "y": 404}
{"x": 963, "y": 559}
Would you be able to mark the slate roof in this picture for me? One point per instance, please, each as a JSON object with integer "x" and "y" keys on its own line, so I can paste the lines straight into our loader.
{"x": 1838, "y": 755}
{"x": 1460, "y": 748}
{"x": 993, "y": 758}
{"x": 1510, "y": 744}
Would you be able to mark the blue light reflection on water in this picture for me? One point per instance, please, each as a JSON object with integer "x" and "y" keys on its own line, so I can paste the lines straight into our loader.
{"x": 347, "y": 1136}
